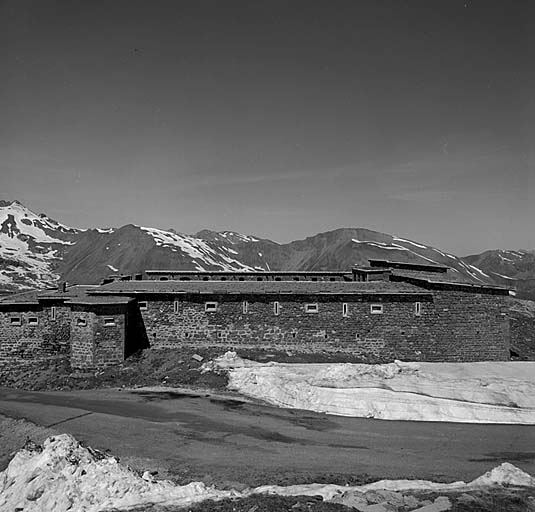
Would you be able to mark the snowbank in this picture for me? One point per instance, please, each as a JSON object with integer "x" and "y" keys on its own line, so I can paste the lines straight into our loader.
{"x": 505, "y": 474}
{"x": 488, "y": 392}
{"x": 63, "y": 475}
{"x": 67, "y": 476}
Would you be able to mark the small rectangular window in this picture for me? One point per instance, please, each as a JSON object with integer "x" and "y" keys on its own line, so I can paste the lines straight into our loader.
{"x": 53, "y": 313}
{"x": 210, "y": 306}
{"x": 143, "y": 305}
{"x": 175, "y": 306}
{"x": 418, "y": 308}
{"x": 345, "y": 309}
{"x": 311, "y": 308}
{"x": 276, "y": 308}
{"x": 109, "y": 322}
{"x": 15, "y": 320}
{"x": 33, "y": 320}
{"x": 245, "y": 307}
{"x": 81, "y": 322}
{"x": 376, "y": 309}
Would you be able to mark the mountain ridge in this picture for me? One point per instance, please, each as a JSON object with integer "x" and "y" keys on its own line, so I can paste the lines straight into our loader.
{"x": 508, "y": 268}
{"x": 37, "y": 251}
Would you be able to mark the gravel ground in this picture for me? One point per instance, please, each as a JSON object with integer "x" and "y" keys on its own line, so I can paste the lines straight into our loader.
{"x": 14, "y": 434}
{"x": 169, "y": 367}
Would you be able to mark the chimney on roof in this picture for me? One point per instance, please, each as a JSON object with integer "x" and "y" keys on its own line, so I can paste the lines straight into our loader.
{"x": 63, "y": 287}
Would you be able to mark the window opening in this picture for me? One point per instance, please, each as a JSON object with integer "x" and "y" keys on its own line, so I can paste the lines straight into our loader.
{"x": 376, "y": 309}
{"x": 311, "y": 308}
{"x": 210, "y": 306}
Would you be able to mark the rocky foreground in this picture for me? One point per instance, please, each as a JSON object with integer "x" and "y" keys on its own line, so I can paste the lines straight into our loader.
{"x": 62, "y": 475}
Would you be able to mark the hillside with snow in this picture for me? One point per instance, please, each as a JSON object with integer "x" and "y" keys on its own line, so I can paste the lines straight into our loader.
{"x": 36, "y": 251}
{"x": 515, "y": 269}
{"x": 32, "y": 247}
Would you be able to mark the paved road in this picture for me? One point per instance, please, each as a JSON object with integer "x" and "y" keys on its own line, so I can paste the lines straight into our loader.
{"x": 227, "y": 440}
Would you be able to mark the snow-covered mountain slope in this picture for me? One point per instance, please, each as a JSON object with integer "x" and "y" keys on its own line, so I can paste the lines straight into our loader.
{"x": 130, "y": 249}
{"x": 509, "y": 268}
{"x": 345, "y": 247}
{"x": 31, "y": 247}
{"x": 36, "y": 251}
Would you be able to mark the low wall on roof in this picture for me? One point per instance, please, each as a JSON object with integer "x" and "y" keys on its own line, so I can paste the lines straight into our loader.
{"x": 247, "y": 276}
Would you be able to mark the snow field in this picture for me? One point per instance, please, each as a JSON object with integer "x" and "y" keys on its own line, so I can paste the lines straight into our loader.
{"x": 487, "y": 392}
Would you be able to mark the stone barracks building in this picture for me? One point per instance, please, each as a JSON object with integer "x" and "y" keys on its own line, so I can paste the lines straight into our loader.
{"x": 385, "y": 311}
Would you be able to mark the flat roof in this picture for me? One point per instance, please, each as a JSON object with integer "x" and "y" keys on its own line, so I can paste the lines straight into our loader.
{"x": 430, "y": 283}
{"x": 78, "y": 290}
{"x": 258, "y": 287}
{"x": 73, "y": 295}
{"x": 97, "y": 300}
{"x": 371, "y": 270}
{"x": 28, "y": 297}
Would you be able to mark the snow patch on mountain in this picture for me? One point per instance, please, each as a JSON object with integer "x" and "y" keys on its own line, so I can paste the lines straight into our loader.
{"x": 397, "y": 247}
{"x": 29, "y": 247}
{"x": 381, "y": 245}
{"x": 479, "y": 270}
{"x": 195, "y": 248}
{"x": 504, "y": 277}
{"x": 234, "y": 238}
{"x": 409, "y": 242}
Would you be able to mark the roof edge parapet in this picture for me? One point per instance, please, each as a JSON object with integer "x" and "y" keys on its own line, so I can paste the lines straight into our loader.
{"x": 424, "y": 267}
{"x": 458, "y": 285}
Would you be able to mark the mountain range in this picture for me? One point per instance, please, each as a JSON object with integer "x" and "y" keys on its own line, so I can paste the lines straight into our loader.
{"x": 37, "y": 251}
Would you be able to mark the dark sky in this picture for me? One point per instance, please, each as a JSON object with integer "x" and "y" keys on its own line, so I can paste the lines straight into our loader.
{"x": 280, "y": 119}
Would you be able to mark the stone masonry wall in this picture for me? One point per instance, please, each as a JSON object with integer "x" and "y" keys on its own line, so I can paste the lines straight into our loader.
{"x": 31, "y": 341}
{"x": 82, "y": 338}
{"x": 109, "y": 339}
{"x": 465, "y": 326}
{"x": 452, "y": 326}
{"x": 98, "y": 336}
